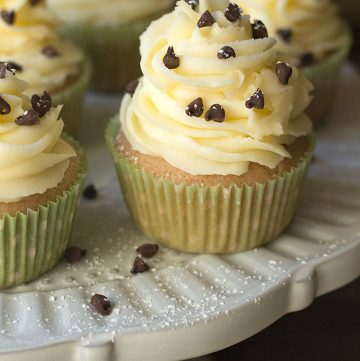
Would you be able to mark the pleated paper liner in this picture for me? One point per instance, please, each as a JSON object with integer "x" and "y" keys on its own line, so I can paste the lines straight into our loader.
{"x": 72, "y": 97}
{"x": 208, "y": 219}
{"x": 324, "y": 76}
{"x": 31, "y": 244}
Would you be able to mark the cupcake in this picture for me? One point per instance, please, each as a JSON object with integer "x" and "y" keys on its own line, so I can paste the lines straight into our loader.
{"x": 30, "y": 44}
{"x": 41, "y": 176}
{"x": 109, "y": 31}
{"x": 212, "y": 144}
{"x": 310, "y": 34}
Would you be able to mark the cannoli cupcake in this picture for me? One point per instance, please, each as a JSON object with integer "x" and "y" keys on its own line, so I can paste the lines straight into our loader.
{"x": 41, "y": 175}
{"x": 109, "y": 31}
{"x": 310, "y": 34}
{"x": 212, "y": 144}
{"x": 29, "y": 42}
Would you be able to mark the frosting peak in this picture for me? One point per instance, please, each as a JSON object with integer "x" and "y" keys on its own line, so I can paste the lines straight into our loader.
{"x": 248, "y": 114}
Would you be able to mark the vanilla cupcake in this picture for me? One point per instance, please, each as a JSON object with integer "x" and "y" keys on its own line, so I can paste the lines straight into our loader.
{"x": 41, "y": 176}
{"x": 29, "y": 42}
{"x": 212, "y": 144}
{"x": 310, "y": 34}
{"x": 109, "y": 31}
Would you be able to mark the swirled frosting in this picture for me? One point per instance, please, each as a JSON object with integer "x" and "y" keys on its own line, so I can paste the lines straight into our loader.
{"x": 33, "y": 158}
{"x": 31, "y": 41}
{"x": 315, "y": 26}
{"x": 155, "y": 122}
{"x": 106, "y": 11}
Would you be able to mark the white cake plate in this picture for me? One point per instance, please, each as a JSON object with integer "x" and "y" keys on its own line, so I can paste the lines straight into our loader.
{"x": 189, "y": 305}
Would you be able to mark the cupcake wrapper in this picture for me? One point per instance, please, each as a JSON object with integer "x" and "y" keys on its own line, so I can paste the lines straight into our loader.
{"x": 207, "y": 219}
{"x": 324, "y": 77}
{"x": 72, "y": 98}
{"x": 31, "y": 244}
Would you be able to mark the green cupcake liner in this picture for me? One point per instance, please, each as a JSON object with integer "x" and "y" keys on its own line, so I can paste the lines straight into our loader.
{"x": 324, "y": 76}
{"x": 207, "y": 219}
{"x": 113, "y": 49}
{"x": 72, "y": 97}
{"x": 31, "y": 244}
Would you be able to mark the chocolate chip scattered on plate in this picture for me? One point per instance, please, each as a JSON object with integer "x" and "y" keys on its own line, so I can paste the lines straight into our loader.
{"x": 90, "y": 192}
{"x": 139, "y": 266}
{"x": 101, "y": 304}
{"x": 74, "y": 254}
{"x": 148, "y": 250}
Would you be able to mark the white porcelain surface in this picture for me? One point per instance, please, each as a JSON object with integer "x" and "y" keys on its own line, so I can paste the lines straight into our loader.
{"x": 189, "y": 305}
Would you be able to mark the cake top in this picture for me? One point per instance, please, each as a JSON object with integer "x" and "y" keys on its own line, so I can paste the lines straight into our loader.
{"x": 306, "y": 30}
{"x": 215, "y": 96}
{"x": 29, "y": 40}
{"x": 33, "y": 158}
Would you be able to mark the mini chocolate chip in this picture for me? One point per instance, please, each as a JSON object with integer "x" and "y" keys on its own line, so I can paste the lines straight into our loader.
{"x": 283, "y": 72}
{"x": 4, "y": 107}
{"x": 205, "y": 20}
{"x": 233, "y": 12}
{"x": 192, "y": 3}
{"x": 90, "y": 192}
{"x": 50, "y": 52}
{"x": 8, "y": 16}
{"x": 101, "y": 304}
{"x": 35, "y": 2}
{"x": 259, "y": 30}
{"x": 285, "y": 34}
{"x": 14, "y": 67}
{"x": 139, "y": 266}
{"x": 30, "y": 117}
{"x": 306, "y": 59}
{"x": 171, "y": 61}
{"x": 3, "y": 68}
{"x": 226, "y": 52}
{"x": 42, "y": 104}
{"x": 131, "y": 87}
{"x": 216, "y": 113}
{"x": 195, "y": 108}
{"x": 148, "y": 250}
{"x": 256, "y": 100}
{"x": 74, "y": 254}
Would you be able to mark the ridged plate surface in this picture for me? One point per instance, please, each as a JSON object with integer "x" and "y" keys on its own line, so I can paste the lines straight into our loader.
{"x": 189, "y": 305}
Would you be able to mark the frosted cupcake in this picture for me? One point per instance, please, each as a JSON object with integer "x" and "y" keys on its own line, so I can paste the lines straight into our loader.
{"x": 30, "y": 44}
{"x": 212, "y": 144}
{"x": 41, "y": 175}
{"x": 310, "y": 34}
{"x": 109, "y": 31}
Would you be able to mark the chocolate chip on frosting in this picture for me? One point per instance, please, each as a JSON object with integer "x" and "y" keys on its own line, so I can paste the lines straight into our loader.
{"x": 233, "y": 12}
{"x": 148, "y": 250}
{"x": 4, "y": 107}
{"x": 283, "y": 72}
{"x": 35, "y": 2}
{"x": 195, "y": 108}
{"x": 101, "y": 304}
{"x": 13, "y": 67}
{"x": 215, "y": 113}
{"x": 131, "y": 87}
{"x": 3, "y": 68}
{"x": 285, "y": 34}
{"x": 8, "y": 16}
{"x": 171, "y": 61}
{"x": 50, "y": 51}
{"x": 259, "y": 30}
{"x": 41, "y": 104}
{"x": 256, "y": 100}
{"x": 226, "y": 52}
{"x": 30, "y": 117}
{"x": 139, "y": 266}
{"x": 192, "y": 3}
{"x": 306, "y": 59}
{"x": 205, "y": 20}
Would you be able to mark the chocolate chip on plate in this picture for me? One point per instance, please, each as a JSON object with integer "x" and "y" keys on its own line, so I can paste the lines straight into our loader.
{"x": 306, "y": 59}
{"x": 90, "y": 192}
{"x": 131, "y": 87}
{"x": 74, "y": 254}
{"x": 226, "y": 52}
{"x": 30, "y": 117}
{"x": 8, "y": 16}
{"x": 4, "y": 107}
{"x": 148, "y": 250}
{"x": 50, "y": 51}
{"x": 101, "y": 304}
{"x": 195, "y": 108}
{"x": 233, "y": 12}
{"x": 283, "y": 72}
{"x": 171, "y": 61}
{"x": 285, "y": 34}
{"x": 215, "y": 113}
{"x": 192, "y": 3}
{"x": 41, "y": 104}
{"x": 205, "y": 20}
{"x": 139, "y": 266}
{"x": 14, "y": 66}
{"x": 256, "y": 100}
{"x": 259, "y": 30}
